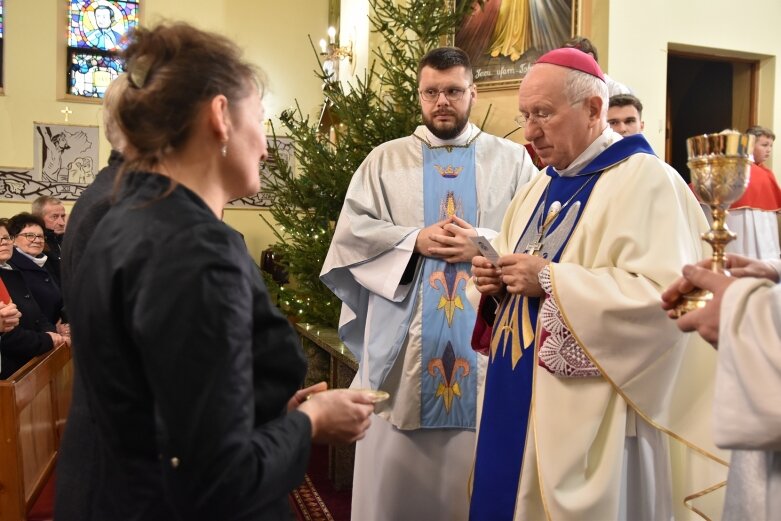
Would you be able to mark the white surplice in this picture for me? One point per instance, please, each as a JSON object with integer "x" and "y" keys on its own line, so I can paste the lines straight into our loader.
{"x": 402, "y": 471}
{"x": 747, "y": 408}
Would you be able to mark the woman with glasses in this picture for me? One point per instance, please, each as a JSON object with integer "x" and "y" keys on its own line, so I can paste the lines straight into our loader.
{"x": 28, "y": 257}
{"x": 35, "y": 334}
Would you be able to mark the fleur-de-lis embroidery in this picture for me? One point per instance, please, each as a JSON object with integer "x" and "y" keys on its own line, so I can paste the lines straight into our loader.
{"x": 449, "y": 280}
{"x": 448, "y": 367}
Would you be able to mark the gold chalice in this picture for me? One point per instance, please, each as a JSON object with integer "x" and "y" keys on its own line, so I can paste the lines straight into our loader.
{"x": 719, "y": 166}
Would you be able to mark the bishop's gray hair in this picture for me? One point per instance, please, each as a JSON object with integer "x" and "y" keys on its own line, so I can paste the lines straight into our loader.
{"x": 581, "y": 85}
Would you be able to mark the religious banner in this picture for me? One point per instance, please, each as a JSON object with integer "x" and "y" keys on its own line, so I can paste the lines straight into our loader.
{"x": 286, "y": 150}
{"x": 505, "y": 37}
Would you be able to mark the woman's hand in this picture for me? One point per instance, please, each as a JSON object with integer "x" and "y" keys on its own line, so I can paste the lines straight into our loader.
{"x": 339, "y": 416}
{"x": 303, "y": 394}
{"x": 9, "y": 317}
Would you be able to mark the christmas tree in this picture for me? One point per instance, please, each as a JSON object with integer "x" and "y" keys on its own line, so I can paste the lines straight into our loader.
{"x": 380, "y": 106}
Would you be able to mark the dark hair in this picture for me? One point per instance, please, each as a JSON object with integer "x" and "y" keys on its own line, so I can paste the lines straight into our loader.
{"x": 171, "y": 70}
{"x": 20, "y": 221}
{"x": 582, "y": 43}
{"x": 759, "y": 131}
{"x": 4, "y": 224}
{"x": 623, "y": 100}
{"x": 110, "y": 10}
{"x": 444, "y": 58}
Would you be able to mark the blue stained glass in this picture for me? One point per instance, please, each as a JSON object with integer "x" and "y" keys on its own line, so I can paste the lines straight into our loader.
{"x": 1, "y": 18}
{"x": 90, "y": 74}
{"x": 100, "y": 24}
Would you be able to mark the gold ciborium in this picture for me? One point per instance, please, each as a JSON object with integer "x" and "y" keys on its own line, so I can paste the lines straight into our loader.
{"x": 719, "y": 166}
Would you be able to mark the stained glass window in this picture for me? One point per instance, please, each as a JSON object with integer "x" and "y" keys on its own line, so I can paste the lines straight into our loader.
{"x": 96, "y": 31}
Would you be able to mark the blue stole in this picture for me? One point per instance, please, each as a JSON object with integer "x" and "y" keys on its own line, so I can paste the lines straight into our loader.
{"x": 449, "y": 365}
{"x": 509, "y": 381}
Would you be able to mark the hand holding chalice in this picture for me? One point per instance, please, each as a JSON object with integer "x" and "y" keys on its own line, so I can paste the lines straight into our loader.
{"x": 719, "y": 166}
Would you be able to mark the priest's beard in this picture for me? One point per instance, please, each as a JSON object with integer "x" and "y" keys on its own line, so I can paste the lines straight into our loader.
{"x": 447, "y": 130}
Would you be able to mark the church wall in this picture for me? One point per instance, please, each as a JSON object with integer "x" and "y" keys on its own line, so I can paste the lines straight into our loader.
{"x": 642, "y": 32}
{"x": 273, "y": 35}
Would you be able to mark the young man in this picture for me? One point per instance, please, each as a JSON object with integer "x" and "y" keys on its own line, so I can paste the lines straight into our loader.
{"x": 625, "y": 114}
{"x": 754, "y": 217}
{"x": 399, "y": 261}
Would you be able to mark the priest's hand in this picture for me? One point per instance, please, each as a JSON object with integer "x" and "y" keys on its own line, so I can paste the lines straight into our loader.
{"x": 424, "y": 241}
{"x": 9, "y": 317}
{"x": 706, "y": 320}
{"x": 454, "y": 245}
{"x": 339, "y": 416}
{"x": 520, "y": 273}
{"x": 487, "y": 277}
{"x": 740, "y": 266}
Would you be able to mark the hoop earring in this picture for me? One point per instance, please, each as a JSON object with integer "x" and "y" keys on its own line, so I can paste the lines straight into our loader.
{"x": 224, "y": 149}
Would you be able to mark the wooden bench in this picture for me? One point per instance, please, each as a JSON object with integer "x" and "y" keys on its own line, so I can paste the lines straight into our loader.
{"x": 34, "y": 404}
{"x": 331, "y": 361}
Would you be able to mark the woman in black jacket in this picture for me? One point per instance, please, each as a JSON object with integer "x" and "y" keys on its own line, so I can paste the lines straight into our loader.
{"x": 34, "y": 335}
{"x": 29, "y": 259}
{"x": 189, "y": 371}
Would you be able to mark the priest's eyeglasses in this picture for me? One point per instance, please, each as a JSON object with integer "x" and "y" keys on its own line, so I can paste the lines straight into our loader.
{"x": 452, "y": 94}
{"x": 5, "y": 239}
{"x": 540, "y": 118}
{"x": 31, "y": 237}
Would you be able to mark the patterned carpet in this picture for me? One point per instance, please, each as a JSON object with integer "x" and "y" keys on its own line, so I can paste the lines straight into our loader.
{"x": 308, "y": 504}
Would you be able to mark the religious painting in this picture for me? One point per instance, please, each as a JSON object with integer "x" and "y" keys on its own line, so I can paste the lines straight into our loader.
{"x": 96, "y": 33}
{"x": 286, "y": 151}
{"x": 65, "y": 160}
{"x": 505, "y": 37}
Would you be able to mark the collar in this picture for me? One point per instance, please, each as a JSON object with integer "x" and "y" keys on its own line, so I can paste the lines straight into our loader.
{"x": 469, "y": 132}
{"x": 39, "y": 261}
{"x": 603, "y": 141}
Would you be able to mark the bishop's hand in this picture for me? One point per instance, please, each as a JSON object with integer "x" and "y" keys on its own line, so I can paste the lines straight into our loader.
{"x": 520, "y": 273}
{"x": 487, "y": 277}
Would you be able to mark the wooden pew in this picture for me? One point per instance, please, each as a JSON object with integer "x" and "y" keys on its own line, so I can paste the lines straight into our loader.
{"x": 34, "y": 405}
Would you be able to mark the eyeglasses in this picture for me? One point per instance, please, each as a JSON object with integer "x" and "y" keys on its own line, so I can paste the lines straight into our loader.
{"x": 452, "y": 94}
{"x": 540, "y": 118}
{"x": 5, "y": 239}
{"x": 31, "y": 237}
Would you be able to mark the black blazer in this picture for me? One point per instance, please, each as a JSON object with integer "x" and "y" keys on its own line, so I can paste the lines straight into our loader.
{"x": 42, "y": 285}
{"x": 187, "y": 367}
{"x": 29, "y": 338}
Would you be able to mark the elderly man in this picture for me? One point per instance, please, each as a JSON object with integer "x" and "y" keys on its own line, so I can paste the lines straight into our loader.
{"x": 584, "y": 367}
{"x": 52, "y": 211}
{"x": 400, "y": 261}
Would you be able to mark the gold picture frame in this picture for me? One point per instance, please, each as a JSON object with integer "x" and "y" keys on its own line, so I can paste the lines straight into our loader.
{"x": 506, "y": 37}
